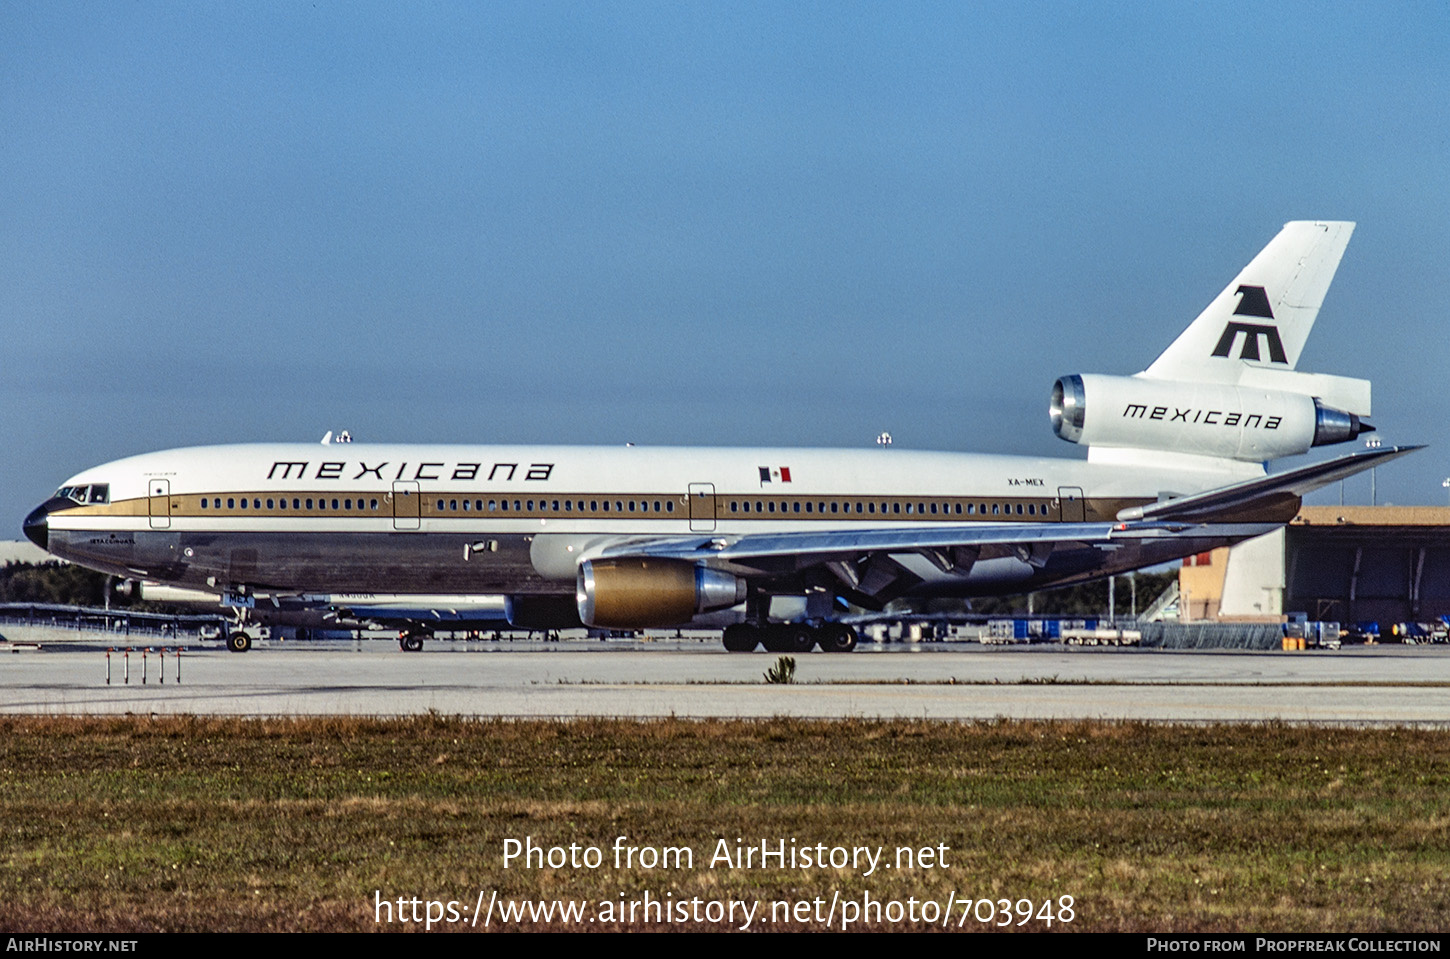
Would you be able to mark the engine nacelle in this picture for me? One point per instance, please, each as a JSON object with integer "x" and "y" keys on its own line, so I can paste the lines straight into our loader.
{"x": 1206, "y": 419}
{"x": 630, "y": 593}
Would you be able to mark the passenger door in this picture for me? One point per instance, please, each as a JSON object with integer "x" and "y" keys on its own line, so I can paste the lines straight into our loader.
{"x": 159, "y": 503}
{"x": 407, "y": 505}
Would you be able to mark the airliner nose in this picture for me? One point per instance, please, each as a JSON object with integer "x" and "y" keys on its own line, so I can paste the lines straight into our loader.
{"x": 37, "y": 527}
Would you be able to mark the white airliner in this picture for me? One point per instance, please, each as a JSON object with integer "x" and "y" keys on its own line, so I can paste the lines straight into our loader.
{"x": 413, "y": 615}
{"x": 773, "y": 542}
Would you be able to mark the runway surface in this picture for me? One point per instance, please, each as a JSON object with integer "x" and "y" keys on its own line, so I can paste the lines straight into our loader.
{"x": 1356, "y": 685}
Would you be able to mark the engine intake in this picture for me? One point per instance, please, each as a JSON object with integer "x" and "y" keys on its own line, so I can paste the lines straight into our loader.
{"x": 630, "y": 593}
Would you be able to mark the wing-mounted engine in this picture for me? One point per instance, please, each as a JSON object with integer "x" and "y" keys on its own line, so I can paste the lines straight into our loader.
{"x": 634, "y": 592}
{"x": 1246, "y": 423}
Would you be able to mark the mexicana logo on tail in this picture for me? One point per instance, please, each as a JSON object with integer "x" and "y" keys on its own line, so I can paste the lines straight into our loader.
{"x": 1253, "y": 301}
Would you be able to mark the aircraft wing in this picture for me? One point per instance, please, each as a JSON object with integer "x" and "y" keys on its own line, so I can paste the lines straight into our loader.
{"x": 815, "y": 547}
{"x": 873, "y": 565}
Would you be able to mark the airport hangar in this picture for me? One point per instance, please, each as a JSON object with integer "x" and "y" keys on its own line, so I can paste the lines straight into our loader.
{"x": 1346, "y": 564}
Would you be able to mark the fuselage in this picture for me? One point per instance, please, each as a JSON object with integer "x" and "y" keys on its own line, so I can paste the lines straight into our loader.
{"x": 516, "y": 520}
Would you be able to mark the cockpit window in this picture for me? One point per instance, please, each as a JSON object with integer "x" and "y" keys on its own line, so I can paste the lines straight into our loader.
{"x": 94, "y": 493}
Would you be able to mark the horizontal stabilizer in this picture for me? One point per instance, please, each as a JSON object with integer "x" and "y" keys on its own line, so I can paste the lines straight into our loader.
{"x": 1229, "y": 502}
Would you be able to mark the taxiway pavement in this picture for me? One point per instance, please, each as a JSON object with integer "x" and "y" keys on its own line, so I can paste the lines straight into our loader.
{"x": 1356, "y": 685}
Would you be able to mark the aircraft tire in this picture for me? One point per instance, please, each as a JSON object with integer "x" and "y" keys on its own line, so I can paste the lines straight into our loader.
{"x": 410, "y": 643}
{"x": 741, "y": 638}
{"x": 238, "y": 642}
{"x": 837, "y": 638}
{"x": 788, "y": 638}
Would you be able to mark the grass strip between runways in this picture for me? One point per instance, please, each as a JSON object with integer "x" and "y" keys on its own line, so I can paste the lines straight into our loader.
{"x": 191, "y": 823}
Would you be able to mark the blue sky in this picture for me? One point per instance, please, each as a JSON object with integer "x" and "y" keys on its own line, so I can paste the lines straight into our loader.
{"x": 724, "y": 223}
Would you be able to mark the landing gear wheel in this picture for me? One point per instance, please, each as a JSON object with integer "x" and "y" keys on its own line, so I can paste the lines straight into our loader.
{"x": 788, "y": 638}
{"x": 410, "y": 642}
{"x": 238, "y": 642}
{"x": 837, "y": 638}
{"x": 741, "y": 638}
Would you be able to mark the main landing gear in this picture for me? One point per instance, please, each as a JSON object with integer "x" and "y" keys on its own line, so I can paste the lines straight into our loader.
{"x": 790, "y": 638}
{"x": 238, "y": 641}
{"x": 411, "y": 640}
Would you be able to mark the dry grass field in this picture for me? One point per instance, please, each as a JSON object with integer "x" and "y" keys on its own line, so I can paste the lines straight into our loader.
{"x": 220, "y": 824}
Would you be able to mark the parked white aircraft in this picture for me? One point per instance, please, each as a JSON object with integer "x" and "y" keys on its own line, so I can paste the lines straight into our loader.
{"x": 414, "y": 616}
{"x": 774, "y": 542}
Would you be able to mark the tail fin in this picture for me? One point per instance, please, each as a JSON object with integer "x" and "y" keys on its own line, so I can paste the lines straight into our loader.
{"x": 1226, "y": 391}
{"x": 1261, "y": 320}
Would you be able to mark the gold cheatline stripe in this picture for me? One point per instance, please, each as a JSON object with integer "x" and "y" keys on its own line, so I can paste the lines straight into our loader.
{"x": 856, "y": 508}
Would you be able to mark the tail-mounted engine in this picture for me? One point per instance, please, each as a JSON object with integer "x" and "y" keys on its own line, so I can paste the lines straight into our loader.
{"x": 633, "y": 592}
{"x": 1207, "y": 419}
